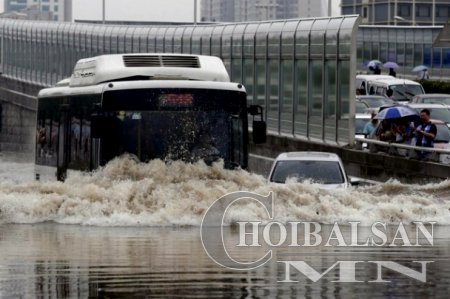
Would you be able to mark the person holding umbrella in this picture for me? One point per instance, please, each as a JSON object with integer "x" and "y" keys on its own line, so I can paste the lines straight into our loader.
{"x": 391, "y": 66}
{"x": 377, "y": 70}
{"x": 374, "y": 67}
{"x": 390, "y": 116}
{"x": 424, "y": 75}
{"x": 422, "y": 72}
{"x": 392, "y": 72}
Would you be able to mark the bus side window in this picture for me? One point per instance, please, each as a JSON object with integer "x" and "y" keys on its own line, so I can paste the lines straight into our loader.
{"x": 237, "y": 140}
{"x": 46, "y": 138}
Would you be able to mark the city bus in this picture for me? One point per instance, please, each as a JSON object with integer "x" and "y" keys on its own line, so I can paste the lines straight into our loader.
{"x": 150, "y": 106}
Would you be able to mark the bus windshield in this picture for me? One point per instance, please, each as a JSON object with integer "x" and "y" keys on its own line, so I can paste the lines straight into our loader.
{"x": 170, "y": 135}
{"x": 174, "y": 124}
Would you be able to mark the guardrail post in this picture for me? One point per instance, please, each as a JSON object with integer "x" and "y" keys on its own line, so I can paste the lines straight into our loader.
{"x": 435, "y": 156}
{"x": 358, "y": 145}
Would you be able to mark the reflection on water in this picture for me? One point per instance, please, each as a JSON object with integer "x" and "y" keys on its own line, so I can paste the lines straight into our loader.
{"x": 54, "y": 260}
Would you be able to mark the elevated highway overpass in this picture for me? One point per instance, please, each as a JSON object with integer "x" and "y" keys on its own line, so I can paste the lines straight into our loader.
{"x": 301, "y": 71}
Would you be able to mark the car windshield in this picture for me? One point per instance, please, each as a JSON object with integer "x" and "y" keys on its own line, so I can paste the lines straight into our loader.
{"x": 403, "y": 92}
{"x": 443, "y": 133}
{"x": 438, "y": 113}
{"x": 445, "y": 101}
{"x": 360, "y": 123}
{"x": 377, "y": 102}
{"x": 323, "y": 172}
{"x": 360, "y": 107}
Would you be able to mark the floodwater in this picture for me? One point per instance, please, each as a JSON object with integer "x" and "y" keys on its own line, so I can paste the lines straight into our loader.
{"x": 132, "y": 230}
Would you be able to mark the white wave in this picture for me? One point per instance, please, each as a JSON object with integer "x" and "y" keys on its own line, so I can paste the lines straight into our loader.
{"x": 127, "y": 193}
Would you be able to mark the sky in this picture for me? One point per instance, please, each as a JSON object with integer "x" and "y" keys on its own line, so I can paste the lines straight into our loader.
{"x": 137, "y": 10}
{"x": 142, "y": 10}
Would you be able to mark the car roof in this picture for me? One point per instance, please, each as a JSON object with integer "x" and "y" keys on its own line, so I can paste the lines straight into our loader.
{"x": 308, "y": 156}
{"x": 438, "y": 122}
{"x": 362, "y": 97}
{"x": 433, "y": 95}
{"x": 363, "y": 115}
{"x": 394, "y": 81}
{"x": 373, "y": 77}
{"x": 425, "y": 105}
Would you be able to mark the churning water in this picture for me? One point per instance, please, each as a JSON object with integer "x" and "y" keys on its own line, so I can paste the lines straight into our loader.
{"x": 128, "y": 193}
{"x": 132, "y": 230}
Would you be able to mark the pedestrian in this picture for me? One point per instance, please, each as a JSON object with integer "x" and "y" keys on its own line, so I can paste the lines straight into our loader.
{"x": 370, "y": 126}
{"x": 389, "y": 93}
{"x": 385, "y": 131}
{"x": 424, "y": 75}
{"x": 377, "y": 70}
{"x": 392, "y": 72}
{"x": 425, "y": 134}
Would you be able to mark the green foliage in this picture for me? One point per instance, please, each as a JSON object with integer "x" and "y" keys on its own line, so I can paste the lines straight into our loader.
{"x": 434, "y": 86}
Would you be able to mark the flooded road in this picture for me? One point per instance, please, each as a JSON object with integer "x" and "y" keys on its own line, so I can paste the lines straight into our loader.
{"x": 70, "y": 261}
{"x": 133, "y": 230}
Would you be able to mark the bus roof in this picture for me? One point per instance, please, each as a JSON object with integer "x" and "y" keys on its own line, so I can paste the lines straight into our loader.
{"x": 156, "y": 66}
{"x": 123, "y": 85}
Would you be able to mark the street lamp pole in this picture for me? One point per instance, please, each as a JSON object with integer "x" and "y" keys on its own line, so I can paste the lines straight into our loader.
{"x": 103, "y": 12}
{"x": 195, "y": 12}
{"x": 329, "y": 8}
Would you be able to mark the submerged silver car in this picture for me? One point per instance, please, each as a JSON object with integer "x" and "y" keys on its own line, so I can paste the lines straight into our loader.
{"x": 323, "y": 168}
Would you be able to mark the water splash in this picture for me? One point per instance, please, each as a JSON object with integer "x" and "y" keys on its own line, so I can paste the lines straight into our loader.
{"x": 128, "y": 193}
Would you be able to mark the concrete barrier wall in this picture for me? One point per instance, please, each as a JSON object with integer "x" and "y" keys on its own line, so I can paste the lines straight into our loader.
{"x": 375, "y": 166}
{"x": 18, "y": 118}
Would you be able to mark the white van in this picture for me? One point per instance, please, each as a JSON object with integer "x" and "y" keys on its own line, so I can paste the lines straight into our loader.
{"x": 362, "y": 82}
{"x": 403, "y": 90}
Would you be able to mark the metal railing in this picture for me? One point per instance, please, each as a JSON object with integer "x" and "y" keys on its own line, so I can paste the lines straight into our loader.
{"x": 401, "y": 149}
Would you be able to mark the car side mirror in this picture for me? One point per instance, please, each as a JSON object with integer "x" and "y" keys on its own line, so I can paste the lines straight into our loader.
{"x": 355, "y": 181}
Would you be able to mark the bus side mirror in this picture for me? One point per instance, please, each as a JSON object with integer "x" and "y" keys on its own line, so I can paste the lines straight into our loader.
{"x": 254, "y": 110}
{"x": 259, "y": 126}
{"x": 259, "y": 131}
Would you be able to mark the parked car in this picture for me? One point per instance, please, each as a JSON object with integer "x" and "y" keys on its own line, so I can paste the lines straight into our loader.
{"x": 323, "y": 168}
{"x": 403, "y": 89}
{"x": 437, "y": 111}
{"x": 361, "y": 107}
{"x": 362, "y": 82}
{"x": 374, "y": 102}
{"x": 442, "y": 135}
{"x": 360, "y": 122}
{"x": 442, "y": 139}
{"x": 432, "y": 98}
